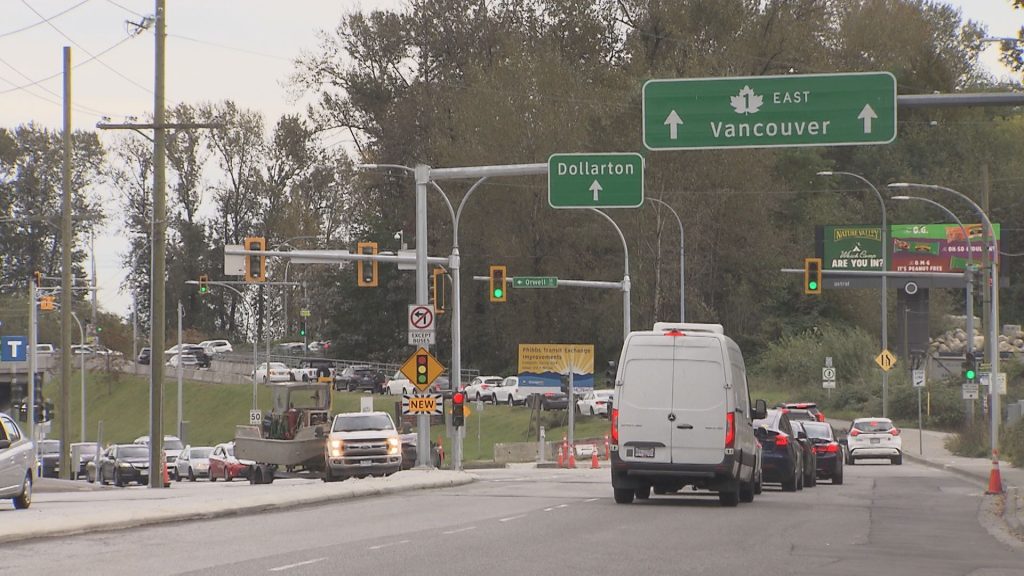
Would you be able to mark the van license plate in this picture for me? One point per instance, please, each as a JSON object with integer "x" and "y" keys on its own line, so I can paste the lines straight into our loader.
{"x": 644, "y": 452}
{"x": 875, "y": 440}
{"x": 365, "y": 462}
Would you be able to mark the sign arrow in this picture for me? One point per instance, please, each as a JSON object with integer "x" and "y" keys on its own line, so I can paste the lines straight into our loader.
{"x": 867, "y": 114}
{"x": 673, "y": 121}
{"x": 595, "y": 188}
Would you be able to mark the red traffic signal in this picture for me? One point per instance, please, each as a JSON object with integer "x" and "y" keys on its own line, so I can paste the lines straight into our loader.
{"x": 458, "y": 409}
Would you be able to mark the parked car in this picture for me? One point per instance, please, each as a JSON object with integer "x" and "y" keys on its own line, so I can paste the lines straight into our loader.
{"x": 481, "y": 388}
{"x": 291, "y": 347}
{"x": 203, "y": 358}
{"x": 193, "y": 462}
{"x": 217, "y": 346}
{"x": 124, "y": 463}
{"x": 781, "y": 455}
{"x": 549, "y": 400}
{"x": 360, "y": 378}
{"x": 313, "y": 369}
{"x": 279, "y": 372}
{"x": 225, "y": 466}
{"x": 145, "y": 355}
{"x": 319, "y": 345}
{"x": 809, "y": 406}
{"x": 186, "y": 361}
{"x": 174, "y": 349}
{"x": 45, "y": 350}
{"x": 78, "y": 349}
{"x": 874, "y": 438}
{"x": 17, "y": 455}
{"x": 827, "y": 449}
{"x": 682, "y": 415}
{"x": 398, "y": 384}
{"x": 172, "y": 448}
{"x": 81, "y": 454}
{"x": 508, "y": 392}
{"x": 595, "y": 402}
{"x": 809, "y": 456}
{"x": 362, "y": 444}
{"x": 49, "y": 459}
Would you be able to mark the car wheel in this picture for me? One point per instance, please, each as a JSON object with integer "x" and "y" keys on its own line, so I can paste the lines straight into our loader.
{"x": 729, "y": 498}
{"x": 117, "y": 479}
{"x": 591, "y": 411}
{"x": 747, "y": 491}
{"x": 510, "y": 401}
{"x": 643, "y": 493}
{"x": 799, "y": 481}
{"x": 478, "y": 398}
{"x": 624, "y": 495}
{"x": 790, "y": 485}
{"x": 24, "y": 500}
{"x": 213, "y": 478}
{"x": 837, "y": 479}
{"x": 757, "y": 486}
{"x": 851, "y": 460}
{"x": 897, "y": 460}
{"x": 227, "y": 477}
{"x": 191, "y": 474}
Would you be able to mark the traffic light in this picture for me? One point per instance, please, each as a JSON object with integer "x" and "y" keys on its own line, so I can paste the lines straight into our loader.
{"x": 422, "y": 360}
{"x": 203, "y": 288}
{"x": 812, "y": 275}
{"x": 256, "y": 264}
{"x": 302, "y": 329}
{"x": 39, "y": 278}
{"x": 366, "y": 271}
{"x": 970, "y": 367}
{"x": 436, "y": 292}
{"x": 458, "y": 409}
{"x": 498, "y": 274}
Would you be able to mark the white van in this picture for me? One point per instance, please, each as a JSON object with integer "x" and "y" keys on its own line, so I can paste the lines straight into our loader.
{"x": 682, "y": 415}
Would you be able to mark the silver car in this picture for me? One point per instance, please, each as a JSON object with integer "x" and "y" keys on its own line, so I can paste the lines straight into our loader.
{"x": 193, "y": 462}
{"x": 16, "y": 462}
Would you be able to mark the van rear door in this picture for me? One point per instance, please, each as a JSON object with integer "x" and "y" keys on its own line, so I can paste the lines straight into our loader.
{"x": 644, "y": 399}
{"x": 699, "y": 400}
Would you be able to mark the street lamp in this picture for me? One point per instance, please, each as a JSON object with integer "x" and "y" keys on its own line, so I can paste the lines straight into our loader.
{"x": 286, "y": 265}
{"x": 992, "y": 339}
{"x": 682, "y": 260}
{"x": 885, "y": 284}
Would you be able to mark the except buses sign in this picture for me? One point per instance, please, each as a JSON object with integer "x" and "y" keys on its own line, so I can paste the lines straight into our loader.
{"x": 767, "y": 111}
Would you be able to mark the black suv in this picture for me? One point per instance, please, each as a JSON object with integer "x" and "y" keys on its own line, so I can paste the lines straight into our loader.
{"x": 361, "y": 378}
{"x": 202, "y": 357}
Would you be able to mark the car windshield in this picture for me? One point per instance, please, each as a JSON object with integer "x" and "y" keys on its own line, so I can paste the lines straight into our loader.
{"x": 604, "y": 394}
{"x": 362, "y": 422}
{"x": 172, "y": 444}
{"x": 492, "y": 381}
{"x": 818, "y": 430}
{"x": 49, "y": 447}
{"x": 873, "y": 425}
{"x": 229, "y": 450}
{"x": 200, "y": 453}
{"x": 136, "y": 451}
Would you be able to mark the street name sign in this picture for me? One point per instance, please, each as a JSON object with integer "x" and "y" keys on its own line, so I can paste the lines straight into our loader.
{"x": 535, "y": 282}
{"x": 770, "y": 111}
{"x": 611, "y": 180}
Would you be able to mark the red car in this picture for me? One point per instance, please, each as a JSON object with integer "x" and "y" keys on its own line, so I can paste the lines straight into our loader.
{"x": 224, "y": 465}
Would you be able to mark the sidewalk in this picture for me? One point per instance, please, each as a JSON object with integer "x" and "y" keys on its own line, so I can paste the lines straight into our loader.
{"x": 64, "y": 507}
{"x": 929, "y": 448}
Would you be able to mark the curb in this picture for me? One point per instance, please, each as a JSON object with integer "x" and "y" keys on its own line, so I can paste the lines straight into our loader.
{"x": 982, "y": 478}
{"x": 1011, "y": 512}
{"x": 164, "y": 516}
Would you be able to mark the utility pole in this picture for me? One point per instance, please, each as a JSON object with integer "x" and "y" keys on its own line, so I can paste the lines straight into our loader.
{"x": 66, "y": 297}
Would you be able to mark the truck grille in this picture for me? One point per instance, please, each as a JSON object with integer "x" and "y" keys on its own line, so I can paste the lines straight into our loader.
{"x": 361, "y": 448}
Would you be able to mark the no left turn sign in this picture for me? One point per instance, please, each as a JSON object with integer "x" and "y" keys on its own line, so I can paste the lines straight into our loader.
{"x": 421, "y": 318}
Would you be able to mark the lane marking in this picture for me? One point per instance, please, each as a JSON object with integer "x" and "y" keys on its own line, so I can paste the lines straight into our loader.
{"x": 512, "y": 518}
{"x": 592, "y": 500}
{"x": 379, "y": 546}
{"x": 562, "y": 506}
{"x": 459, "y": 530}
{"x": 297, "y": 564}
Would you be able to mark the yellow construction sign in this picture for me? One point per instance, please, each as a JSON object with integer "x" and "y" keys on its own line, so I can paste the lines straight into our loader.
{"x": 885, "y": 360}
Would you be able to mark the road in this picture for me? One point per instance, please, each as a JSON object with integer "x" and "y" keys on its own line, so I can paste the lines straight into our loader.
{"x": 886, "y": 519}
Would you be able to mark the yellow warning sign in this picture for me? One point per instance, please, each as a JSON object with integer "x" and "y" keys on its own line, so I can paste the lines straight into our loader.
{"x": 422, "y": 369}
{"x": 885, "y": 360}
{"x": 422, "y": 404}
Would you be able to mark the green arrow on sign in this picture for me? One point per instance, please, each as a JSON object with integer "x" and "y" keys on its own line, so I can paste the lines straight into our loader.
{"x": 768, "y": 111}
{"x": 596, "y": 180}
{"x": 535, "y": 282}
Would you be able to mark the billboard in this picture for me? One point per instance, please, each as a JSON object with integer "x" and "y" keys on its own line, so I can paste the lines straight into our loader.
{"x": 938, "y": 247}
{"x": 852, "y": 248}
{"x": 546, "y": 367}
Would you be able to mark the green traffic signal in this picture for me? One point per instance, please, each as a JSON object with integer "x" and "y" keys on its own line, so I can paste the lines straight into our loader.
{"x": 969, "y": 374}
{"x": 498, "y": 292}
{"x": 812, "y": 285}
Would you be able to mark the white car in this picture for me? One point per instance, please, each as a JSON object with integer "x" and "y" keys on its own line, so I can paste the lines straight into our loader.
{"x": 508, "y": 392}
{"x": 279, "y": 372}
{"x": 595, "y": 402}
{"x": 172, "y": 448}
{"x": 398, "y": 385}
{"x": 17, "y": 454}
{"x": 216, "y": 346}
{"x": 874, "y": 438}
{"x": 186, "y": 360}
{"x": 481, "y": 388}
{"x": 174, "y": 349}
{"x": 192, "y": 463}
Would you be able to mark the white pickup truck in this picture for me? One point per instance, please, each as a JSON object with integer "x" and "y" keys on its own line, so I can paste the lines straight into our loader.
{"x": 362, "y": 444}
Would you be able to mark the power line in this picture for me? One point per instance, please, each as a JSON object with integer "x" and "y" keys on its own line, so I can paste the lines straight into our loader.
{"x": 226, "y": 47}
{"x": 129, "y": 10}
{"x": 78, "y": 107}
{"x": 58, "y": 74}
{"x": 43, "y": 21}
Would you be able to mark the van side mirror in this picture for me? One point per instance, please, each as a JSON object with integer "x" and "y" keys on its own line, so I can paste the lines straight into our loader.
{"x": 760, "y": 410}
{"x": 5, "y": 444}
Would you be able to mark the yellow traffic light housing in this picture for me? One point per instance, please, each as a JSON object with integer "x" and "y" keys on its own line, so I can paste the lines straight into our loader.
{"x": 812, "y": 275}
{"x": 498, "y": 288}
{"x": 203, "y": 288}
{"x": 366, "y": 271}
{"x": 437, "y": 290}
{"x": 46, "y": 303}
{"x": 256, "y": 264}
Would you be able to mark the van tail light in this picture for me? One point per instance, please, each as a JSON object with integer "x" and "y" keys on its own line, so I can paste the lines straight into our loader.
{"x": 781, "y": 439}
{"x": 821, "y": 416}
{"x": 615, "y": 425}
{"x": 830, "y": 448}
{"x": 894, "y": 431}
{"x": 854, "y": 432}
{"x": 730, "y": 429}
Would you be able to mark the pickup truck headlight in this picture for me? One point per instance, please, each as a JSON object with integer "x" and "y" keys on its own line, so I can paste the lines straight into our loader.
{"x": 394, "y": 446}
{"x": 336, "y": 448}
{"x": 123, "y": 465}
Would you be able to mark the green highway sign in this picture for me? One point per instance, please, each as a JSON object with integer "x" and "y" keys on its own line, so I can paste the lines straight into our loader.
{"x": 769, "y": 111}
{"x": 535, "y": 282}
{"x": 596, "y": 180}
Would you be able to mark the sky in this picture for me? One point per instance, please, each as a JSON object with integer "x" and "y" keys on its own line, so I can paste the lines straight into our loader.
{"x": 216, "y": 49}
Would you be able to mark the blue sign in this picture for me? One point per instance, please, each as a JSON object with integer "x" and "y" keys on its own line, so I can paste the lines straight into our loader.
{"x": 13, "y": 349}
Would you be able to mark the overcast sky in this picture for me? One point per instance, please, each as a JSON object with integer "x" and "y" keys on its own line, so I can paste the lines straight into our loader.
{"x": 216, "y": 49}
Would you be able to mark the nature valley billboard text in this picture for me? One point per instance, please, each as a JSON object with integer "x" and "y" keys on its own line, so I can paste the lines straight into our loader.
{"x": 852, "y": 248}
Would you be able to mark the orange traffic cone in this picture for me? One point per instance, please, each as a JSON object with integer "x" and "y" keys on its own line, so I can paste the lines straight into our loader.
{"x": 572, "y": 457}
{"x": 560, "y": 457}
{"x": 593, "y": 459}
{"x": 995, "y": 479}
{"x": 167, "y": 477}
